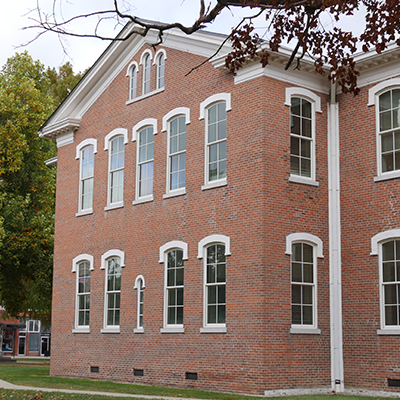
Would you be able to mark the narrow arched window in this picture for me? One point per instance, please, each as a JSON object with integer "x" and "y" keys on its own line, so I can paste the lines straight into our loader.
{"x": 160, "y": 71}
{"x": 174, "y": 288}
{"x": 116, "y": 170}
{"x": 132, "y": 82}
{"x": 177, "y": 153}
{"x": 86, "y": 178}
{"x": 113, "y": 292}
{"x": 146, "y": 74}
{"x": 145, "y": 163}
{"x": 83, "y": 294}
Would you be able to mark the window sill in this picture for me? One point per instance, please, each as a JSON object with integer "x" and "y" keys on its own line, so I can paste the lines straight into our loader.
{"x": 114, "y": 206}
{"x": 178, "y": 192}
{"x": 143, "y": 200}
{"x": 84, "y": 212}
{"x": 303, "y": 180}
{"x": 388, "y": 331}
{"x": 172, "y": 330}
{"x": 305, "y": 331}
{"x": 144, "y": 96}
{"x": 387, "y": 175}
{"x": 81, "y": 330}
{"x": 213, "y": 330}
{"x": 138, "y": 330}
{"x": 115, "y": 329}
{"x": 214, "y": 184}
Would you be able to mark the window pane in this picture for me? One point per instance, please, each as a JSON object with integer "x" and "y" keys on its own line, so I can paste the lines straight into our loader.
{"x": 213, "y": 152}
{"x": 212, "y": 295}
{"x": 296, "y": 315}
{"x": 306, "y": 148}
{"x": 222, "y": 169}
{"x": 387, "y": 162}
{"x": 306, "y": 108}
{"x": 305, "y": 167}
{"x": 179, "y": 315}
{"x": 221, "y": 258}
{"x": 221, "y": 273}
{"x": 307, "y": 294}
{"x": 396, "y": 98}
{"x": 388, "y": 272}
{"x": 308, "y": 273}
{"x": 210, "y": 273}
{"x": 307, "y": 253}
{"x": 306, "y": 127}
{"x": 307, "y": 315}
{"x": 295, "y": 106}
{"x": 294, "y": 145}
{"x": 296, "y": 294}
{"x": 179, "y": 296}
{"x": 171, "y": 316}
{"x": 212, "y": 114}
{"x": 213, "y": 171}
{"x": 221, "y": 110}
{"x": 221, "y": 294}
{"x": 212, "y": 133}
{"x": 294, "y": 165}
{"x": 296, "y": 252}
{"x": 387, "y": 142}
{"x": 182, "y": 142}
{"x": 221, "y": 314}
{"x": 384, "y": 101}
{"x": 171, "y": 297}
{"x": 295, "y": 125}
{"x": 211, "y": 254}
{"x": 212, "y": 314}
{"x": 222, "y": 130}
{"x": 179, "y": 277}
{"x": 296, "y": 272}
{"x": 385, "y": 120}
{"x": 391, "y": 315}
{"x": 388, "y": 251}
{"x": 222, "y": 150}
{"x": 390, "y": 294}
{"x": 174, "y": 163}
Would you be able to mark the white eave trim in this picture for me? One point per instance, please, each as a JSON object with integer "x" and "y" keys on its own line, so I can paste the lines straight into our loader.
{"x": 62, "y": 127}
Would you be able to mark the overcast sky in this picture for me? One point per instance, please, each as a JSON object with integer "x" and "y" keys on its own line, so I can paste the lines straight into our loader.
{"x": 82, "y": 53}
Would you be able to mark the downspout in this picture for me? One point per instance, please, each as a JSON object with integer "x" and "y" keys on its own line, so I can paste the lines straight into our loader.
{"x": 335, "y": 259}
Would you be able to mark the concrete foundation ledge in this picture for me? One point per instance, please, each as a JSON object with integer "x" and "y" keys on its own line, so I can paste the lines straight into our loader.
{"x": 296, "y": 392}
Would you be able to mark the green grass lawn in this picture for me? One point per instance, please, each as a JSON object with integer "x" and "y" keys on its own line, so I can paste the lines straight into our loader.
{"x": 37, "y": 375}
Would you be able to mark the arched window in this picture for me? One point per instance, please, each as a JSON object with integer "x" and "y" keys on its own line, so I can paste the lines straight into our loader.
{"x": 133, "y": 82}
{"x": 139, "y": 286}
{"x": 146, "y": 74}
{"x": 82, "y": 265}
{"x": 160, "y": 70}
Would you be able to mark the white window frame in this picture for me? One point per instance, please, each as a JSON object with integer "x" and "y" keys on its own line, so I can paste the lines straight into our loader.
{"x": 204, "y": 107}
{"x": 316, "y": 243}
{"x": 143, "y": 59}
{"x": 157, "y": 58}
{"x": 202, "y": 254}
{"x": 167, "y": 119}
{"x": 135, "y": 138}
{"x": 373, "y": 100}
{"x": 315, "y": 101}
{"x": 376, "y": 250}
{"x": 140, "y": 285}
{"x": 132, "y": 73}
{"x": 104, "y": 264}
{"x": 75, "y": 268}
{"x": 79, "y": 149}
{"x": 107, "y": 145}
{"x": 163, "y": 259}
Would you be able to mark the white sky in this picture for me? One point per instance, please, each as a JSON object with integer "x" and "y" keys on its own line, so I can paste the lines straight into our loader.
{"x": 82, "y": 53}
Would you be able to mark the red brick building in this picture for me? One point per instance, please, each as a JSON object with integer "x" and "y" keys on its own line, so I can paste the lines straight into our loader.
{"x": 233, "y": 233}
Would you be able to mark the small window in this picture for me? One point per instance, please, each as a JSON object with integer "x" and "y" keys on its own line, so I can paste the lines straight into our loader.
{"x": 33, "y": 326}
{"x": 216, "y": 142}
{"x": 177, "y": 153}
{"x": 113, "y": 292}
{"x": 389, "y": 130}
{"x": 146, "y": 73}
{"x": 303, "y": 285}
{"x": 160, "y": 71}
{"x": 83, "y": 294}
{"x": 116, "y": 170}
{"x": 301, "y": 137}
{"x": 133, "y": 82}
{"x": 139, "y": 286}
{"x": 145, "y": 162}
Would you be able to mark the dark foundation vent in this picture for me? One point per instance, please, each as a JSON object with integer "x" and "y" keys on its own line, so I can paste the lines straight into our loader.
{"x": 95, "y": 369}
{"x": 191, "y": 375}
{"x": 138, "y": 372}
{"x": 394, "y": 382}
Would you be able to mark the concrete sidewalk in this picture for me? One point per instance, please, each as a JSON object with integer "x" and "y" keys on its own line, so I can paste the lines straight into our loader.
{"x": 6, "y": 385}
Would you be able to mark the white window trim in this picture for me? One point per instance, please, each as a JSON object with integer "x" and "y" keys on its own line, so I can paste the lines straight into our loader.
{"x": 204, "y": 106}
{"x": 147, "y": 51}
{"x": 373, "y": 100}
{"x": 79, "y": 148}
{"x": 376, "y": 250}
{"x": 142, "y": 58}
{"x": 315, "y": 101}
{"x": 138, "y": 329}
{"x": 104, "y": 258}
{"x": 132, "y": 66}
{"x": 75, "y": 263}
{"x": 110, "y": 136}
{"x": 156, "y": 61}
{"x": 163, "y": 252}
{"x": 176, "y": 112}
{"x": 316, "y": 243}
{"x": 135, "y": 136}
{"x": 202, "y": 248}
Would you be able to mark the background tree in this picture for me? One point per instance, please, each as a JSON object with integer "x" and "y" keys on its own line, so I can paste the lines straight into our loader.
{"x": 297, "y": 22}
{"x": 27, "y": 185}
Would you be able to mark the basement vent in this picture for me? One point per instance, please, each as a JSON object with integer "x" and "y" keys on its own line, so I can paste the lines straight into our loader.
{"x": 191, "y": 375}
{"x": 138, "y": 372}
{"x": 95, "y": 369}
{"x": 394, "y": 382}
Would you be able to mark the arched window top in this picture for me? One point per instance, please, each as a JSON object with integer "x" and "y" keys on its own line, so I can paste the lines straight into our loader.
{"x": 174, "y": 113}
{"x": 143, "y": 123}
{"x": 380, "y": 88}
{"x": 215, "y": 98}
{"x": 145, "y": 53}
{"x": 382, "y": 237}
{"x": 112, "y": 253}
{"x": 84, "y": 143}
{"x": 305, "y": 94}
{"x": 160, "y": 52}
{"x": 226, "y": 240}
{"x": 139, "y": 278}
{"x": 131, "y": 67}
{"x": 304, "y": 238}
{"x": 116, "y": 132}
{"x": 175, "y": 244}
{"x": 80, "y": 258}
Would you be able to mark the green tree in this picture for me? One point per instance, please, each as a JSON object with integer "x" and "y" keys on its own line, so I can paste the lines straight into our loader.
{"x": 27, "y": 188}
{"x": 62, "y": 81}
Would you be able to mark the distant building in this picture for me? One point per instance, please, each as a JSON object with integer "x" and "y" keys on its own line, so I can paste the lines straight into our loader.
{"x": 232, "y": 233}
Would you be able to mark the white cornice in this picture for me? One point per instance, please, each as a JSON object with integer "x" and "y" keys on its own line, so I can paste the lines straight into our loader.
{"x": 62, "y": 127}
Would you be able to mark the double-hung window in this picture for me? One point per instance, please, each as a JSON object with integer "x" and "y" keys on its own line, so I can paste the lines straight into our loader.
{"x": 177, "y": 154}
{"x": 214, "y": 249}
{"x": 82, "y": 265}
{"x": 85, "y": 152}
{"x": 146, "y": 161}
{"x": 115, "y": 143}
{"x": 112, "y": 262}
{"x": 139, "y": 286}
{"x": 389, "y": 130}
